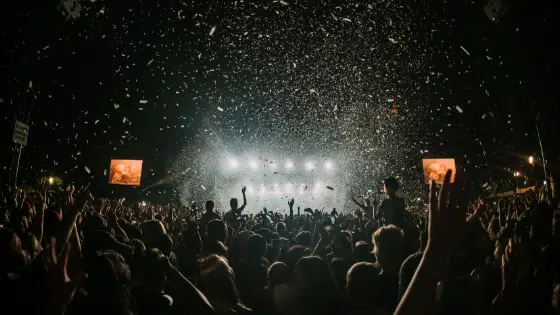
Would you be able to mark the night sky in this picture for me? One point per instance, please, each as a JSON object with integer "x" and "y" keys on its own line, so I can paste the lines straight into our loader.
{"x": 377, "y": 84}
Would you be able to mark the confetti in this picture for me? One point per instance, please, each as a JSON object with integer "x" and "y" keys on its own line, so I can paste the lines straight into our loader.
{"x": 212, "y": 31}
{"x": 220, "y": 109}
{"x": 87, "y": 169}
{"x": 143, "y": 102}
{"x": 466, "y": 52}
{"x": 459, "y": 109}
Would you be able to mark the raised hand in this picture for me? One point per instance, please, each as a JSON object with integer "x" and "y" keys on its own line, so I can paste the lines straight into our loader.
{"x": 447, "y": 222}
{"x": 291, "y": 203}
{"x": 59, "y": 283}
{"x": 244, "y": 189}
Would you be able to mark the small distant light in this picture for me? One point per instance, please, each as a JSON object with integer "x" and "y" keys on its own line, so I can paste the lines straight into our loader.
{"x": 51, "y": 180}
{"x": 531, "y": 160}
{"x": 309, "y": 166}
{"x": 516, "y": 174}
{"x": 328, "y": 165}
{"x": 544, "y": 183}
{"x": 143, "y": 203}
{"x": 418, "y": 199}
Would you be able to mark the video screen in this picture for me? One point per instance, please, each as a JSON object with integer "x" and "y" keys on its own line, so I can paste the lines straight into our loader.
{"x": 125, "y": 172}
{"x": 435, "y": 169}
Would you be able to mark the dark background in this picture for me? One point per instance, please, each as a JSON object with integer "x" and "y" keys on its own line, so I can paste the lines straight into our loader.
{"x": 81, "y": 69}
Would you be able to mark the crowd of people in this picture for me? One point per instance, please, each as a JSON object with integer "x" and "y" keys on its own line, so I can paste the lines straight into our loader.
{"x": 71, "y": 253}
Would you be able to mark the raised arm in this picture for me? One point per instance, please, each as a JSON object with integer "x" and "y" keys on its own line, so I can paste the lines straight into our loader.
{"x": 69, "y": 219}
{"x": 446, "y": 226}
{"x": 38, "y": 224}
{"x": 361, "y": 205}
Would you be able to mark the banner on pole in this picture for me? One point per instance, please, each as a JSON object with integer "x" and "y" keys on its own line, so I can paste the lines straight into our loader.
{"x": 125, "y": 172}
{"x": 21, "y": 131}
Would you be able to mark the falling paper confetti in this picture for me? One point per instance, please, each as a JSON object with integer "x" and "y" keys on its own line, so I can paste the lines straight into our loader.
{"x": 466, "y": 52}
{"x": 143, "y": 102}
{"x": 87, "y": 169}
{"x": 212, "y": 31}
{"x": 220, "y": 109}
{"x": 459, "y": 109}
{"x": 202, "y": 186}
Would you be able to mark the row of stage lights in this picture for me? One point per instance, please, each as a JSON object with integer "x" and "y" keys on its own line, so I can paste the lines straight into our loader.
{"x": 286, "y": 188}
{"x": 309, "y": 165}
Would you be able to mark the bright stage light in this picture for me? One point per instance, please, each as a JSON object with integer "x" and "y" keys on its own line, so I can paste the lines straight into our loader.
{"x": 233, "y": 163}
{"x": 328, "y": 165}
{"x": 289, "y": 164}
{"x": 253, "y": 164}
{"x": 309, "y": 166}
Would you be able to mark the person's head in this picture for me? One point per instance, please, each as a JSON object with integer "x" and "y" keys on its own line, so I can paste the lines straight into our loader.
{"x": 313, "y": 275}
{"x": 339, "y": 269}
{"x": 294, "y": 254}
{"x": 101, "y": 240}
{"x": 391, "y": 186}
{"x": 361, "y": 286}
{"x": 234, "y": 204}
{"x": 151, "y": 230}
{"x": 362, "y": 251}
{"x": 151, "y": 269}
{"x": 281, "y": 228}
{"x": 164, "y": 243}
{"x": 216, "y": 230}
{"x": 210, "y": 206}
{"x": 389, "y": 248}
{"x": 256, "y": 247}
{"x": 108, "y": 283}
{"x": 278, "y": 273}
{"x": 31, "y": 244}
{"x": 304, "y": 239}
{"x": 342, "y": 246}
{"x": 217, "y": 281}
{"x": 14, "y": 256}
